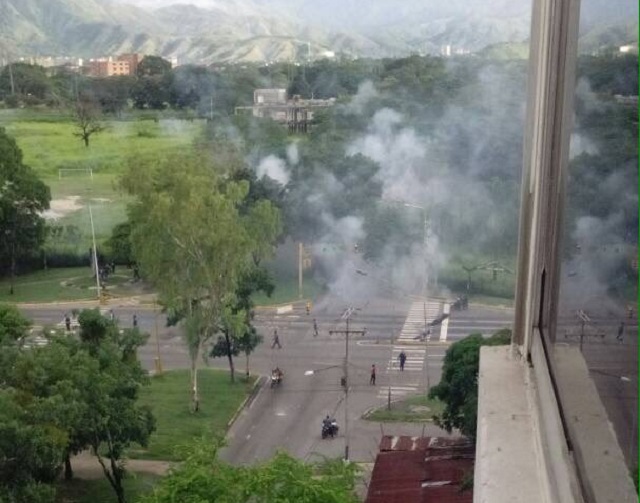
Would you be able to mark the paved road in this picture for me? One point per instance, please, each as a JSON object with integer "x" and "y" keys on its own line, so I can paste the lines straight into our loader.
{"x": 289, "y": 416}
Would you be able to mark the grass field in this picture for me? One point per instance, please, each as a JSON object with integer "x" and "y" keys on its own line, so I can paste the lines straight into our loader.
{"x": 169, "y": 398}
{"x": 49, "y": 146}
{"x": 72, "y": 283}
{"x": 99, "y": 490}
{"x": 415, "y": 409}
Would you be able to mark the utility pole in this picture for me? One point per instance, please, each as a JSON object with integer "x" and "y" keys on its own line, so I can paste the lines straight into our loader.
{"x": 426, "y": 344}
{"x": 95, "y": 254}
{"x": 300, "y": 253}
{"x": 425, "y": 283}
{"x": 346, "y": 316}
{"x": 584, "y": 319}
{"x": 13, "y": 87}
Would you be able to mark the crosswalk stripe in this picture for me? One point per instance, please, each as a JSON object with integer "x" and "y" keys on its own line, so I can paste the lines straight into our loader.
{"x": 445, "y": 323}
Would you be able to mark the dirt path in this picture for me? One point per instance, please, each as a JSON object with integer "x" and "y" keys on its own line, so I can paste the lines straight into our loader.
{"x": 86, "y": 466}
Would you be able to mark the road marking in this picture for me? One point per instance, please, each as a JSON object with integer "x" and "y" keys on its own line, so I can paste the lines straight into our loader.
{"x": 396, "y": 391}
{"x": 445, "y": 322}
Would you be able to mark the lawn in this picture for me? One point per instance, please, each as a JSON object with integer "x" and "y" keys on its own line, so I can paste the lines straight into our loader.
{"x": 99, "y": 490}
{"x": 73, "y": 283}
{"x": 415, "y": 409}
{"x": 49, "y": 146}
{"x": 169, "y": 398}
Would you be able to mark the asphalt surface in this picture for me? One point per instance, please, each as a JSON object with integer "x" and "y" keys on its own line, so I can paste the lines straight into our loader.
{"x": 289, "y": 417}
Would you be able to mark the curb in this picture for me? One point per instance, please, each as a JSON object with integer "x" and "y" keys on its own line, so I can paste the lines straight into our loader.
{"x": 257, "y": 386}
{"x": 276, "y": 306}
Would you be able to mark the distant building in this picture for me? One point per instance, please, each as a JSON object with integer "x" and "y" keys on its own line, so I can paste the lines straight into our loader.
{"x": 133, "y": 60}
{"x": 295, "y": 112}
{"x": 124, "y": 64}
{"x": 269, "y": 96}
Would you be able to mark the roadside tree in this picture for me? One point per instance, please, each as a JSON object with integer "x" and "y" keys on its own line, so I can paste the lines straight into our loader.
{"x": 193, "y": 243}
{"x": 23, "y": 198}
{"x": 458, "y": 387}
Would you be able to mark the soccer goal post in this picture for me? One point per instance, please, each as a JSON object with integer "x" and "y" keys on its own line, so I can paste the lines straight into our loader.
{"x": 67, "y": 172}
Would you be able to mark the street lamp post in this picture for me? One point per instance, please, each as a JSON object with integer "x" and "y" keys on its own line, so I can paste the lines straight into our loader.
{"x": 425, "y": 244}
{"x": 95, "y": 253}
{"x": 345, "y": 368}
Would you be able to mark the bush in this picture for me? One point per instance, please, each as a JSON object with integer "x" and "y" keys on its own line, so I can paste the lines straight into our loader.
{"x": 458, "y": 388}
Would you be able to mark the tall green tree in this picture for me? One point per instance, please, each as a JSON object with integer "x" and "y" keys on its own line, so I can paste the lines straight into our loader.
{"x": 69, "y": 395}
{"x": 192, "y": 241}
{"x": 23, "y": 198}
{"x": 458, "y": 387}
{"x": 25, "y": 80}
{"x": 114, "y": 420}
{"x": 13, "y": 325}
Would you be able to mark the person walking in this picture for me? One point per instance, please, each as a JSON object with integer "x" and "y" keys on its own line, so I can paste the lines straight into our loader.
{"x": 67, "y": 322}
{"x": 276, "y": 339}
{"x": 620, "y": 335}
{"x": 403, "y": 358}
{"x": 315, "y": 328}
{"x": 372, "y": 379}
{"x": 135, "y": 320}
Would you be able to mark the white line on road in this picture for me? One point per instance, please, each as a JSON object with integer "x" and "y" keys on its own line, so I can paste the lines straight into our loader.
{"x": 445, "y": 323}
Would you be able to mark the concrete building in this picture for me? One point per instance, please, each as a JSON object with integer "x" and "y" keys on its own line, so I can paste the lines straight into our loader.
{"x": 132, "y": 59}
{"x": 124, "y": 64}
{"x": 295, "y": 112}
{"x": 107, "y": 67}
{"x": 543, "y": 435}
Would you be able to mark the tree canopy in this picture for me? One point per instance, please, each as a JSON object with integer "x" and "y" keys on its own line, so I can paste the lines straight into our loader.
{"x": 458, "y": 387}
{"x": 194, "y": 239}
{"x": 23, "y": 198}
{"x": 204, "y": 478}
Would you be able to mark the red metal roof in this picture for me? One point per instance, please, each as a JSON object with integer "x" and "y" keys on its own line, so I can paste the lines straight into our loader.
{"x": 421, "y": 470}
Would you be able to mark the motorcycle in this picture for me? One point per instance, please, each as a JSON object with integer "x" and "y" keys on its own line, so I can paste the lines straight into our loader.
{"x": 276, "y": 378}
{"x": 330, "y": 429}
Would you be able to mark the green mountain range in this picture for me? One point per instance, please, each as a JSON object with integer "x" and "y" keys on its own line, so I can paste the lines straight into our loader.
{"x": 265, "y": 30}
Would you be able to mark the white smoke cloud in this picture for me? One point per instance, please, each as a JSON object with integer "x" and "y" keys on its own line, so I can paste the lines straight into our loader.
{"x": 366, "y": 92}
{"x": 293, "y": 156}
{"x": 274, "y": 168}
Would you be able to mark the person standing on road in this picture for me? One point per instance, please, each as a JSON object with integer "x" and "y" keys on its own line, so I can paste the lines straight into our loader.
{"x": 372, "y": 380}
{"x": 276, "y": 339}
{"x": 67, "y": 322}
{"x": 620, "y": 332}
{"x": 135, "y": 320}
{"x": 403, "y": 358}
{"x": 315, "y": 328}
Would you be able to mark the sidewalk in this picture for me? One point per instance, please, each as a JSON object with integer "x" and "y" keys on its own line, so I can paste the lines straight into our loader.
{"x": 86, "y": 466}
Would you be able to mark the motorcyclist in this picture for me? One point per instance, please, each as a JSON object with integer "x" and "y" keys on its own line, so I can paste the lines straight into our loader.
{"x": 326, "y": 422}
{"x": 277, "y": 373}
